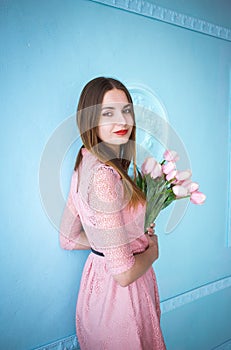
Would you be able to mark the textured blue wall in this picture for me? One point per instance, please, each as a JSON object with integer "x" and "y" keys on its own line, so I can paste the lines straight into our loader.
{"x": 49, "y": 50}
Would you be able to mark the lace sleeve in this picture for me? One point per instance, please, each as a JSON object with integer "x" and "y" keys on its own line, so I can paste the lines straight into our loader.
{"x": 71, "y": 225}
{"x": 110, "y": 234}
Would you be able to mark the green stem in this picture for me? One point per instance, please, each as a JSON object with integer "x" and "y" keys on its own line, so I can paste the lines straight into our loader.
{"x": 183, "y": 197}
{"x": 170, "y": 181}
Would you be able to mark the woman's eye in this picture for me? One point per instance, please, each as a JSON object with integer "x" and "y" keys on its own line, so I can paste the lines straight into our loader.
{"x": 127, "y": 111}
{"x": 107, "y": 114}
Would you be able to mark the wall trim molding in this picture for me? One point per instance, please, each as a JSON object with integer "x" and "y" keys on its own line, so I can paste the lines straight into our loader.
{"x": 148, "y": 9}
{"x": 228, "y": 229}
{"x": 71, "y": 343}
{"x": 195, "y": 294}
{"x": 68, "y": 343}
{"x": 224, "y": 346}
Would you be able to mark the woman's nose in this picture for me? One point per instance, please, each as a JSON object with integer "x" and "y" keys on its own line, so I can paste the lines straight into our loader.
{"x": 121, "y": 118}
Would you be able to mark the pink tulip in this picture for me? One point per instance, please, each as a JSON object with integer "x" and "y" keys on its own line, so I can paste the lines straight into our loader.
{"x": 171, "y": 156}
{"x": 168, "y": 167}
{"x": 197, "y": 197}
{"x": 171, "y": 175}
{"x": 183, "y": 175}
{"x": 148, "y": 165}
{"x": 191, "y": 186}
{"x": 152, "y": 167}
{"x": 157, "y": 171}
{"x": 180, "y": 191}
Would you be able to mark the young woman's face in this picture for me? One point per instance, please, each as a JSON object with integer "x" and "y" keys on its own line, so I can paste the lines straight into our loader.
{"x": 116, "y": 120}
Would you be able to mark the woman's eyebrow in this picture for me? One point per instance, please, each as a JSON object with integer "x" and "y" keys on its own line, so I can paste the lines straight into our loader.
{"x": 110, "y": 107}
{"x": 107, "y": 108}
{"x": 128, "y": 105}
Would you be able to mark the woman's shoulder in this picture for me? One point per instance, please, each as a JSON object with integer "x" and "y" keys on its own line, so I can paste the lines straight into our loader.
{"x": 94, "y": 175}
{"x": 89, "y": 160}
{"x": 95, "y": 166}
{"x": 105, "y": 176}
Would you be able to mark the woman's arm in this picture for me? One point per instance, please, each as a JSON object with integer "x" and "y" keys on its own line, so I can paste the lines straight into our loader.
{"x": 143, "y": 262}
{"x": 80, "y": 243}
{"x": 71, "y": 233}
{"x": 84, "y": 245}
{"x": 114, "y": 227}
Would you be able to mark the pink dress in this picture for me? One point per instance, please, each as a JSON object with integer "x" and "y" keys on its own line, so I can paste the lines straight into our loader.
{"x": 108, "y": 316}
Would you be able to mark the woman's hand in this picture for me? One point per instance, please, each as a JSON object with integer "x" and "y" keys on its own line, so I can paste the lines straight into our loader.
{"x": 151, "y": 229}
{"x": 152, "y": 242}
{"x": 143, "y": 261}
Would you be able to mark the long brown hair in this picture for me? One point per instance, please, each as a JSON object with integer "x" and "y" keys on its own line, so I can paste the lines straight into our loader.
{"x": 88, "y": 114}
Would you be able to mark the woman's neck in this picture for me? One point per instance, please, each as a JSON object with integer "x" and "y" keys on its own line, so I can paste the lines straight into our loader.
{"x": 115, "y": 149}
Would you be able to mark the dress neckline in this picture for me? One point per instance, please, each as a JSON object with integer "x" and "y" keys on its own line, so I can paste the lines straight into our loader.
{"x": 84, "y": 151}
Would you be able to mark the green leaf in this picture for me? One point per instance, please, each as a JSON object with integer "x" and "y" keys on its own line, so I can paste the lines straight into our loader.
{"x": 139, "y": 180}
{"x": 171, "y": 197}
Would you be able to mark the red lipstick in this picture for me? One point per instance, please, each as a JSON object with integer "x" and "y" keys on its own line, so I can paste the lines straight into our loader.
{"x": 121, "y": 132}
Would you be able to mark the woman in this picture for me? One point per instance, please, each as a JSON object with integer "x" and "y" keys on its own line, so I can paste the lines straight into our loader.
{"x": 118, "y": 302}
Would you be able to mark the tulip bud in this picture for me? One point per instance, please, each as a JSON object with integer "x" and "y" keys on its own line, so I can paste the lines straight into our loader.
{"x": 186, "y": 183}
{"x": 191, "y": 186}
{"x": 183, "y": 175}
{"x": 171, "y": 156}
{"x": 194, "y": 186}
{"x": 168, "y": 167}
{"x": 180, "y": 191}
{"x": 148, "y": 165}
{"x": 197, "y": 197}
{"x": 152, "y": 167}
{"x": 171, "y": 175}
{"x": 157, "y": 171}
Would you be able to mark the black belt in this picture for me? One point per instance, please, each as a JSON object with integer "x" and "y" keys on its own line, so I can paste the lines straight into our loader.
{"x": 101, "y": 254}
{"x": 96, "y": 252}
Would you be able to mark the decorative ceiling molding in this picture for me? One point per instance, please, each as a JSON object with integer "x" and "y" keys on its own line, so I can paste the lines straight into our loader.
{"x": 148, "y": 9}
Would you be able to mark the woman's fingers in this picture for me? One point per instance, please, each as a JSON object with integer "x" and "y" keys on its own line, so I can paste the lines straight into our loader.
{"x": 153, "y": 245}
{"x": 151, "y": 229}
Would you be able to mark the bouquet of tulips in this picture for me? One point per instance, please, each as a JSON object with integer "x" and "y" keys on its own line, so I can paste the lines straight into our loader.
{"x": 162, "y": 183}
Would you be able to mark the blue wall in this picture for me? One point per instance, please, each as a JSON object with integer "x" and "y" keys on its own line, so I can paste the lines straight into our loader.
{"x": 49, "y": 50}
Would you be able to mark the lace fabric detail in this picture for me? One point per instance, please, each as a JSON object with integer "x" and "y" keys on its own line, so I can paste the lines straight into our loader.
{"x": 99, "y": 208}
{"x": 110, "y": 236}
{"x": 100, "y": 323}
{"x": 119, "y": 259}
{"x": 71, "y": 225}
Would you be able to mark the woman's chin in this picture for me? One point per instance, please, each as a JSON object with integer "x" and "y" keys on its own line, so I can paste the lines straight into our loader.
{"x": 120, "y": 141}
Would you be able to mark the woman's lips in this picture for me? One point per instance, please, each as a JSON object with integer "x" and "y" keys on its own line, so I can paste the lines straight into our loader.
{"x": 121, "y": 132}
